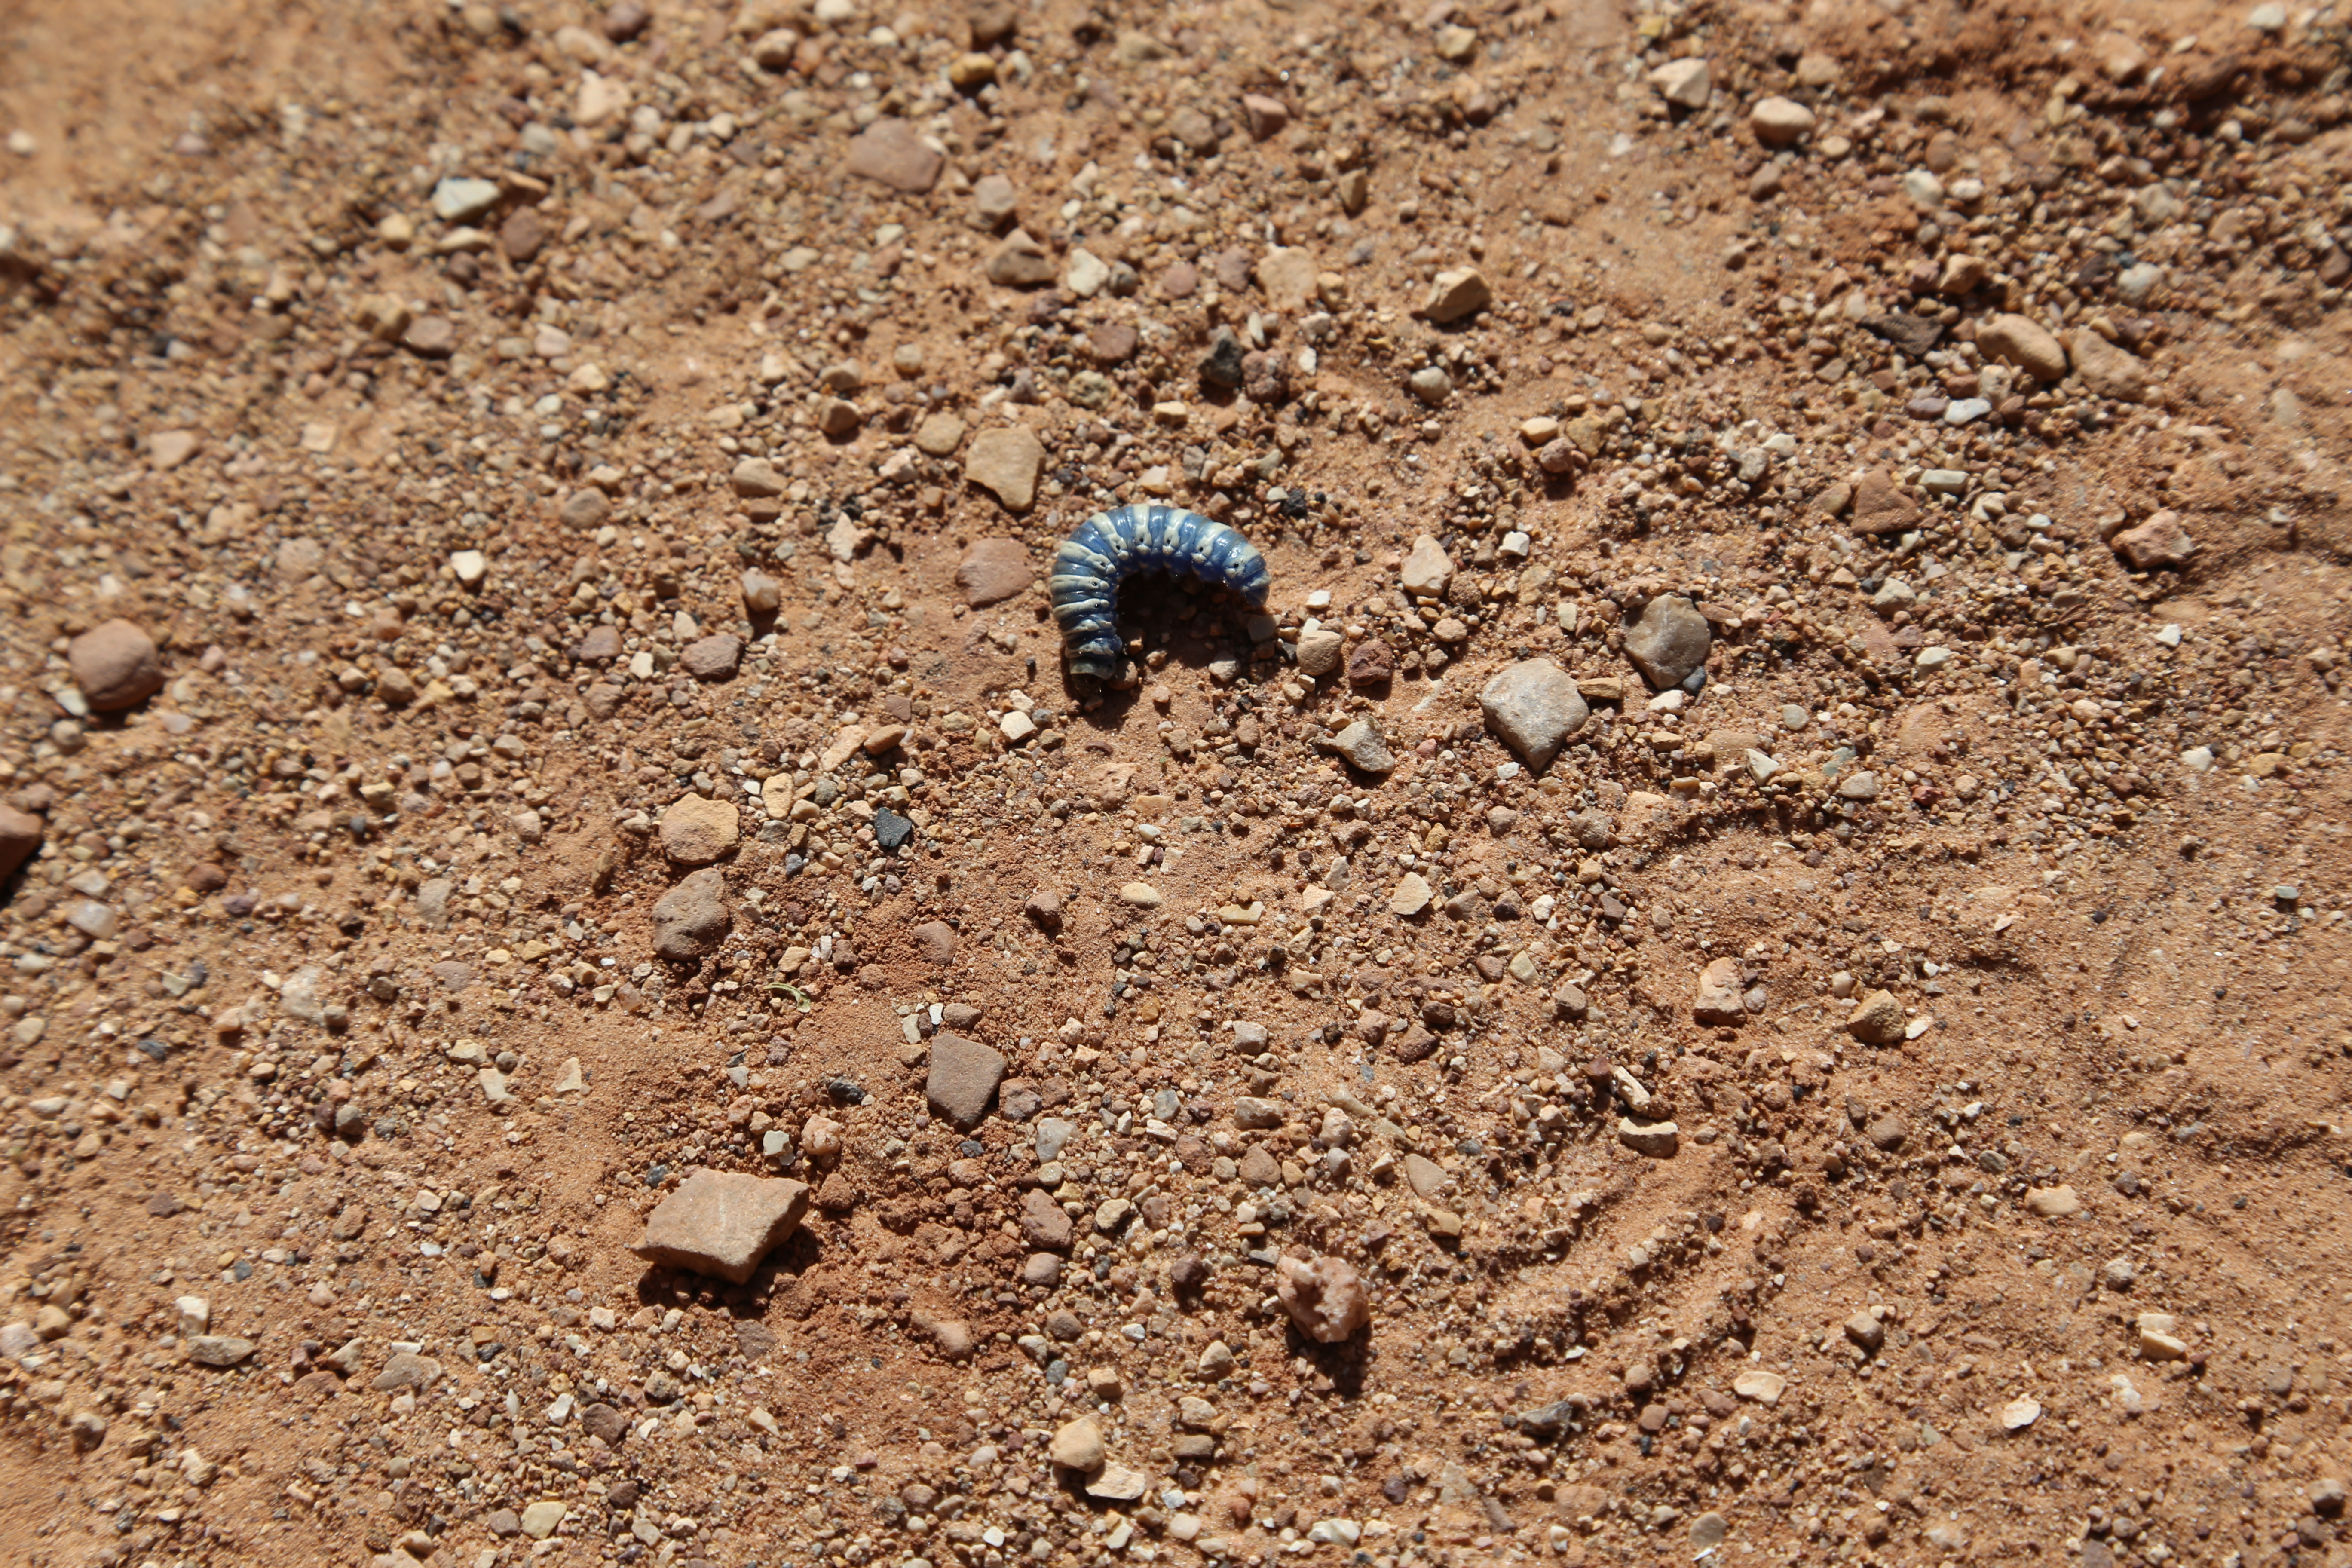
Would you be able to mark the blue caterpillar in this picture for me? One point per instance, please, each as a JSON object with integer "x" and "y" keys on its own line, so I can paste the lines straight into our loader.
{"x": 1090, "y": 565}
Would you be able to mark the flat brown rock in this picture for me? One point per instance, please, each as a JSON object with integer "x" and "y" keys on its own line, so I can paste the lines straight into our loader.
{"x": 893, "y": 153}
{"x": 963, "y": 1079}
{"x": 992, "y": 570}
{"x": 712, "y": 657}
{"x": 722, "y": 1223}
{"x": 1882, "y": 506}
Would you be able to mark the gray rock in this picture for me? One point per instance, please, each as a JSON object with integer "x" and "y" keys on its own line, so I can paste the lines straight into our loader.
{"x": 460, "y": 198}
{"x": 995, "y": 200}
{"x": 1427, "y": 570}
{"x": 300, "y": 994}
{"x": 585, "y": 510}
{"x": 1670, "y": 640}
{"x": 218, "y": 1350}
{"x": 433, "y": 902}
{"x": 963, "y": 1079}
{"x": 1535, "y": 707}
{"x": 1361, "y": 746}
{"x": 692, "y": 919}
{"x": 2140, "y": 283}
{"x": 1020, "y": 262}
{"x": 1324, "y": 1296}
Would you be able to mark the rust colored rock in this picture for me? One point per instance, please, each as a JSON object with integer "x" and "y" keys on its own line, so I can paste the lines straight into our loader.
{"x": 1369, "y": 663}
{"x": 1881, "y": 506}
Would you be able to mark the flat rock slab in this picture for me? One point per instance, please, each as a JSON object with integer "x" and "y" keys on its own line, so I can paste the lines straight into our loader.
{"x": 722, "y": 1223}
{"x": 1118, "y": 1483}
{"x": 964, "y": 1076}
{"x": 1005, "y": 462}
{"x": 407, "y": 1370}
{"x": 891, "y": 153}
{"x": 713, "y": 658}
{"x": 2054, "y": 1202}
{"x": 1657, "y": 1140}
{"x": 992, "y": 570}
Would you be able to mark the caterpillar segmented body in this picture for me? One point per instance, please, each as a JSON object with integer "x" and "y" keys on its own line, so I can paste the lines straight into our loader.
{"x": 1088, "y": 567}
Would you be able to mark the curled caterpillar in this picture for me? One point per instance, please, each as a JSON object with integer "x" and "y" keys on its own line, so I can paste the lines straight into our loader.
{"x": 1090, "y": 565}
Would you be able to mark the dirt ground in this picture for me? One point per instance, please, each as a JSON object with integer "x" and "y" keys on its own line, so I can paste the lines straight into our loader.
{"x": 1745, "y": 961}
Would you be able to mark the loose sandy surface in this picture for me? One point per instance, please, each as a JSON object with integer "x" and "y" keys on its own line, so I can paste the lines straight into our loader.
{"x": 1746, "y": 963}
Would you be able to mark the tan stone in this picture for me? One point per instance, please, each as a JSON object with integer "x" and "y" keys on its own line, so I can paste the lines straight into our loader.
{"x": 722, "y": 1223}
{"x": 1876, "y": 1020}
{"x": 696, "y": 831}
